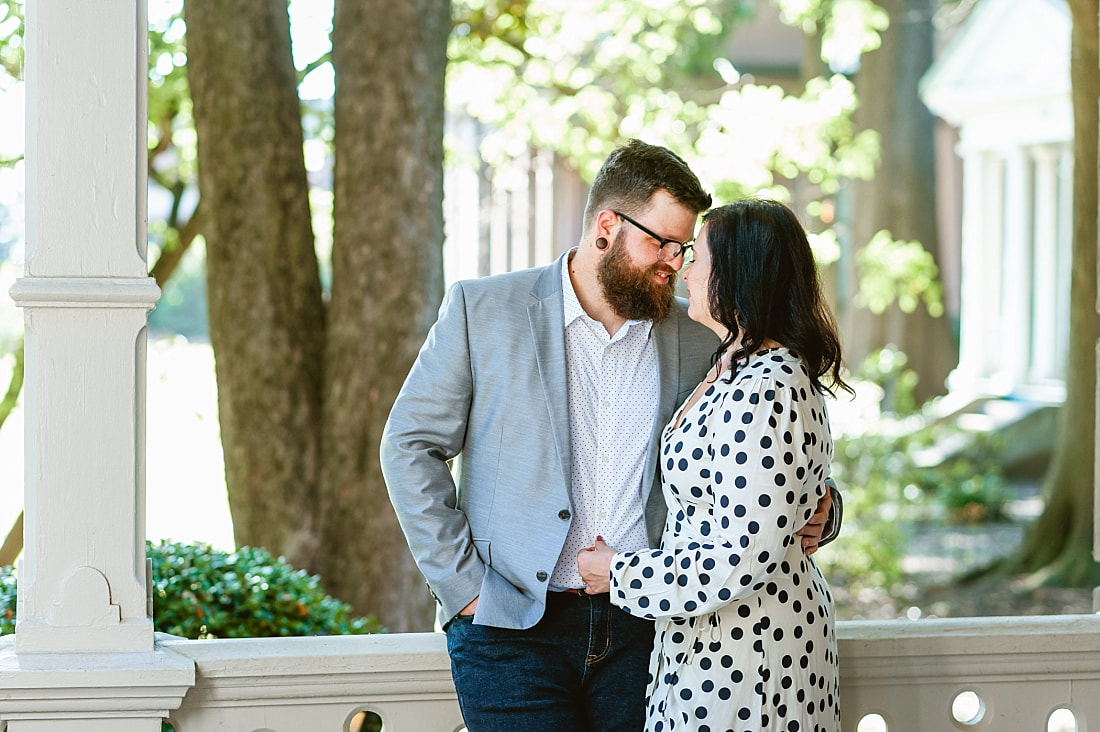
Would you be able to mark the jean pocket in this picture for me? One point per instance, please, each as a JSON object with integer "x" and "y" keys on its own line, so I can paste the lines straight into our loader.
{"x": 458, "y": 620}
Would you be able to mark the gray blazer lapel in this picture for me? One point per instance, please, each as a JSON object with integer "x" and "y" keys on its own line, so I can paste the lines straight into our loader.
{"x": 667, "y": 342}
{"x": 547, "y": 318}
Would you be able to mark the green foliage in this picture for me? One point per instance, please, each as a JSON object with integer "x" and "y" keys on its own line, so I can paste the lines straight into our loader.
{"x": 886, "y": 368}
{"x": 871, "y": 469}
{"x": 579, "y": 81}
{"x": 12, "y": 47}
{"x": 848, "y": 27}
{"x": 173, "y": 149}
{"x": 897, "y": 467}
{"x": 200, "y": 592}
{"x": 969, "y": 485}
{"x": 7, "y": 600}
{"x": 901, "y": 271}
{"x": 757, "y": 135}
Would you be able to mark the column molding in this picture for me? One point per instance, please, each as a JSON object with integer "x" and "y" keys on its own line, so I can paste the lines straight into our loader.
{"x": 85, "y": 292}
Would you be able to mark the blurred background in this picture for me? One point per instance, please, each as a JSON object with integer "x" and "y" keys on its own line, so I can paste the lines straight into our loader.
{"x": 927, "y": 145}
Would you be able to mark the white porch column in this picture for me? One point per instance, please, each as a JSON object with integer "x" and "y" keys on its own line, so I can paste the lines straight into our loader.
{"x": 1016, "y": 296}
{"x": 1044, "y": 344}
{"x": 971, "y": 326}
{"x": 84, "y": 645}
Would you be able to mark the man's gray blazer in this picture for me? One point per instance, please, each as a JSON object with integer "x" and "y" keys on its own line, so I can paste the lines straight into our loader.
{"x": 489, "y": 387}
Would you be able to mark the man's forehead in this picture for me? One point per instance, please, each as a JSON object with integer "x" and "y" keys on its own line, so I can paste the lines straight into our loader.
{"x": 662, "y": 202}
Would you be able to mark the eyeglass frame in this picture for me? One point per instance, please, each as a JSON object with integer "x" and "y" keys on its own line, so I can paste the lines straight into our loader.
{"x": 683, "y": 247}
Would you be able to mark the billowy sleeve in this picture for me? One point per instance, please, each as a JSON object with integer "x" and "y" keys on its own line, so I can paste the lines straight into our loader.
{"x": 746, "y": 476}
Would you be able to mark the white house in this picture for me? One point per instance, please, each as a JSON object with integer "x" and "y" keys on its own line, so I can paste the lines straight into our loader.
{"x": 1003, "y": 82}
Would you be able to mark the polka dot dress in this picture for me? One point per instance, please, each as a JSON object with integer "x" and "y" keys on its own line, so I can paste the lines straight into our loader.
{"x": 745, "y": 637}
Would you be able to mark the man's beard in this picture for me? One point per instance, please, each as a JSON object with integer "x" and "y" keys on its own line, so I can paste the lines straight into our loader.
{"x": 632, "y": 292}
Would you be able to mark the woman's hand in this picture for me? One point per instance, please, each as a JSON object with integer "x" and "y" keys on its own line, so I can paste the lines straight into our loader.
{"x": 594, "y": 564}
{"x": 812, "y": 531}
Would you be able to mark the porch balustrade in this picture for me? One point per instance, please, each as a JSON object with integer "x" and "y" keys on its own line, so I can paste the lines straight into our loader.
{"x": 993, "y": 674}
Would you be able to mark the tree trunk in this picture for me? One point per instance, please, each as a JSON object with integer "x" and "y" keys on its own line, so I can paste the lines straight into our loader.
{"x": 902, "y": 196}
{"x": 266, "y": 312}
{"x": 387, "y": 283}
{"x": 1059, "y": 543}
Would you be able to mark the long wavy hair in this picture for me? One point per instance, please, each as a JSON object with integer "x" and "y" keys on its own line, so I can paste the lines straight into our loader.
{"x": 764, "y": 284}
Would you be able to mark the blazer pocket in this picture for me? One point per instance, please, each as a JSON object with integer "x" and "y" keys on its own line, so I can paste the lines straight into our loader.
{"x": 484, "y": 550}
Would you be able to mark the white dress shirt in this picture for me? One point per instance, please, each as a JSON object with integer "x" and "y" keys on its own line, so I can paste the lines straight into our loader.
{"x": 613, "y": 390}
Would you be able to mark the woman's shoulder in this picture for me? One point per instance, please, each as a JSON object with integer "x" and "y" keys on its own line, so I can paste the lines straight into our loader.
{"x": 770, "y": 364}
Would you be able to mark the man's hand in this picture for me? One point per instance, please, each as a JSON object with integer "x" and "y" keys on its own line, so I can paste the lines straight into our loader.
{"x": 469, "y": 609}
{"x": 594, "y": 564}
{"x": 811, "y": 532}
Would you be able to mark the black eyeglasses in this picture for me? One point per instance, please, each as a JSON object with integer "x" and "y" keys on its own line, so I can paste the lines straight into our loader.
{"x": 674, "y": 248}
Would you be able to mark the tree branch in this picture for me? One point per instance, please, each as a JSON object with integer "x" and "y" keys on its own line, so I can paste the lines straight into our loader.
{"x": 15, "y": 385}
{"x": 171, "y": 255}
{"x": 13, "y": 543}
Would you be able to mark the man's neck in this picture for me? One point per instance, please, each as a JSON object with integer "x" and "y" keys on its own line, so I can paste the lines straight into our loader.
{"x": 582, "y": 273}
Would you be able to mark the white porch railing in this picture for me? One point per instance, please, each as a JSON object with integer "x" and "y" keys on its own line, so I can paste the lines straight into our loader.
{"x": 1018, "y": 672}
{"x": 317, "y": 684}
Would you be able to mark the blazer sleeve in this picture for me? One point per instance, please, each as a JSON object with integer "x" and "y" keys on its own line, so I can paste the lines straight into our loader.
{"x": 425, "y": 430}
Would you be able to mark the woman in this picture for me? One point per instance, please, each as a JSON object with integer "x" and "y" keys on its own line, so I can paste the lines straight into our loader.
{"x": 744, "y": 620}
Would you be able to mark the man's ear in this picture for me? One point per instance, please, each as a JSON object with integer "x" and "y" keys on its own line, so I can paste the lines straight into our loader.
{"x": 606, "y": 221}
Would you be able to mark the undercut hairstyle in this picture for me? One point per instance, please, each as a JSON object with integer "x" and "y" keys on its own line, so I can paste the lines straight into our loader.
{"x": 763, "y": 280}
{"x": 634, "y": 172}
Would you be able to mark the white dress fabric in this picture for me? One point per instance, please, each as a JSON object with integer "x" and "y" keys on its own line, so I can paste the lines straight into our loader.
{"x": 745, "y": 637}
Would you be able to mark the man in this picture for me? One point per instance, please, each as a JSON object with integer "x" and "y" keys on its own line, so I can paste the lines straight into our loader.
{"x": 551, "y": 386}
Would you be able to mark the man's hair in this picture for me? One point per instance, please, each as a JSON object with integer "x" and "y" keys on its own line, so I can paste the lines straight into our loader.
{"x": 634, "y": 172}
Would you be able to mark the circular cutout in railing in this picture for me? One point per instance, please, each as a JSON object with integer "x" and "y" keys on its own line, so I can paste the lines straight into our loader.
{"x": 1062, "y": 720}
{"x": 365, "y": 721}
{"x": 872, "y": 723}
{"x": 968, "y": 710}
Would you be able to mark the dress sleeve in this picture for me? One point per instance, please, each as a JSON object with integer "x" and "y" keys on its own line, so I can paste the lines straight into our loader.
{"x": 756, "y": 482}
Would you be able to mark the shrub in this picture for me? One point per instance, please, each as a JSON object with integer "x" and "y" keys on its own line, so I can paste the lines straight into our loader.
{"x": 201, "y": 592}
{"x": 7, "y": 600}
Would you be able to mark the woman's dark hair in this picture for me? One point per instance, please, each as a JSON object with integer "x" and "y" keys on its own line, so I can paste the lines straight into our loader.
{"x": 763, "y": 280}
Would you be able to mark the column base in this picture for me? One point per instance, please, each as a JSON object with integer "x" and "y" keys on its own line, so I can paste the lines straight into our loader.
{"x": 68, "y": 692}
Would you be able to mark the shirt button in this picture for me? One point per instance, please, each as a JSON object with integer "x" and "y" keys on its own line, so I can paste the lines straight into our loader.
{"x": 564, "y": 514}
{"x": 606, "y": 404}
{"x": 541, "y": 576}
{"x": 603, "y": 458}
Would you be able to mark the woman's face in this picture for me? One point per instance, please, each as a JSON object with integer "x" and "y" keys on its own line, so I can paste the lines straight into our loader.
{"x": 696, "y": 276}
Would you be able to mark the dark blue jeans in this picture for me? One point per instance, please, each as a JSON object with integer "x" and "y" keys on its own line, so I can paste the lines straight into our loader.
{"x": 582, "y": 668}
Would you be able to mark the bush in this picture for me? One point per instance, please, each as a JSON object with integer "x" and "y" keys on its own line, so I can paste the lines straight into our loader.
{"x": 7, "y": 600}
{"x": 898, "y": 469}
{"x": 201, "y": 592}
